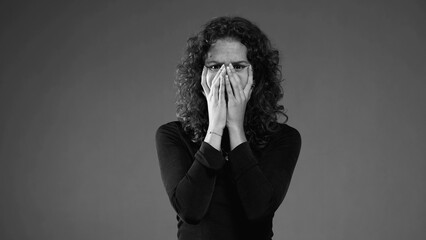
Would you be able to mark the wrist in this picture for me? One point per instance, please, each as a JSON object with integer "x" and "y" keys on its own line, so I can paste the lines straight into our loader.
{"x": 235, "y": 128}
{"x": 215, "y": 130}
{"x": 214, "y": 137}
{"x": 236, "y": 136}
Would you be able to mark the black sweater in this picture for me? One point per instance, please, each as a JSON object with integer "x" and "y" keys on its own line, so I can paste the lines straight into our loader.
{"x": 219, "y": 199}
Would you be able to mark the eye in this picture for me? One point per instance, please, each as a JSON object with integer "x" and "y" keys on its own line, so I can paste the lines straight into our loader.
{"x": 215, "y": 67}
{"x": 239, "y": 67}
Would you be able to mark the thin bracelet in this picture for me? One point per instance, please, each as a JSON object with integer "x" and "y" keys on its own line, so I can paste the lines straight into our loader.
{"x": 211, "y": 132}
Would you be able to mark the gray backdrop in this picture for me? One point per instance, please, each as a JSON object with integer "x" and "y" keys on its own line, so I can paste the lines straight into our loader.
{"x": 85, "y": 85}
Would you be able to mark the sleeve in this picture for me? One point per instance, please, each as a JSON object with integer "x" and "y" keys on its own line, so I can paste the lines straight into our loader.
{"x": 189, "y": 180}
{"x": 263, "y": 183}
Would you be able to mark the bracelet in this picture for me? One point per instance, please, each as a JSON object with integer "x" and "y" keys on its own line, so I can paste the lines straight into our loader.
{"x": 211, "y": 132}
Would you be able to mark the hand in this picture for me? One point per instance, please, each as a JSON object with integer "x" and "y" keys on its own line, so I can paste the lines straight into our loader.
{"x": 238, "y": 96}
{"x": 215, "y": 95}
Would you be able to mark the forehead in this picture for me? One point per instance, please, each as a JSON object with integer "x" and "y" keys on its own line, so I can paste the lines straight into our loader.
{"x": 227, "y": 50}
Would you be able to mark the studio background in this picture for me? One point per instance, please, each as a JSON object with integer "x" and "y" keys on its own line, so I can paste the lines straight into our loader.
{"x": 85, "y": 84}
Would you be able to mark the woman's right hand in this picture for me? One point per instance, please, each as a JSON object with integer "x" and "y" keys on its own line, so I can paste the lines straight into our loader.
{"x": 215, "y": 95}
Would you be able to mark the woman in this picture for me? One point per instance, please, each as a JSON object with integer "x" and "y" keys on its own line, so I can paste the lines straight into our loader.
{"x": 227, "y": 163}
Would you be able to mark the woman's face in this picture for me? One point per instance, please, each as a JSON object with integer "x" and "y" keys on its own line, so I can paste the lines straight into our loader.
{"x": 226, "y": 51}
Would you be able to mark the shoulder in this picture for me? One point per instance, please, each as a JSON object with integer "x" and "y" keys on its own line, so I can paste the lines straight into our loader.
{"x": 171, "y": 132}
{"x": 172, "y": 136}
{"x": 169, "y": 129}
{"x": 286, "y": 135}
{"x": 173, "y": 126}
{"x": 288, "y": 131}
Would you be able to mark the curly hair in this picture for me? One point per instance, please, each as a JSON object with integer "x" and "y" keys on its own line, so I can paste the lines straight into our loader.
{"x": 262, "y": 110}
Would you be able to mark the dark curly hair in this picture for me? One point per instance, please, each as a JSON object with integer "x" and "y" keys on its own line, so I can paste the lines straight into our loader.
{"x": 262, "y": 110}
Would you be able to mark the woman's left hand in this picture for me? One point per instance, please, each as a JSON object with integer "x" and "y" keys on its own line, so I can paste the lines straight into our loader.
{"x": 238, "y": 96}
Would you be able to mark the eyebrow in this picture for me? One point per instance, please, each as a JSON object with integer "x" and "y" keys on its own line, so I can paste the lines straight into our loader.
{"x": 233, "y": 63}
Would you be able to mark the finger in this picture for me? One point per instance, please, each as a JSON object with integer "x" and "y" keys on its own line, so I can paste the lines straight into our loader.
{"x": 249, "y": 86}
{"x": 240, "y": 89}
{"x": 229, "y": 88}
{"x": 222, "y": 90}
{"x": 231, "y": 67}
{"x": 249, "y": 93}
{"x": 235, "y": 75}
{"x": 215, "y": 89}
{"x": 234, "y": 79}
{"x": 206, "y": 89}
{"x": 220, "y": 72}
{"x": 216, "y": 79}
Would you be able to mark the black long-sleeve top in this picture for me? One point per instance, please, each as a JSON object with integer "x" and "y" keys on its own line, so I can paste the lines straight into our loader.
{"x": 225, "y": 197}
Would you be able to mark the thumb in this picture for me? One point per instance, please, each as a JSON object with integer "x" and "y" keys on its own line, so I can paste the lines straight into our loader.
{"x": 249, "y": 93}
